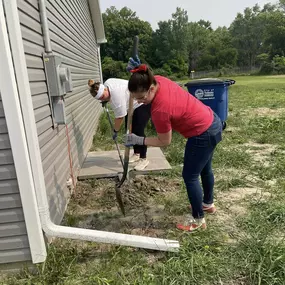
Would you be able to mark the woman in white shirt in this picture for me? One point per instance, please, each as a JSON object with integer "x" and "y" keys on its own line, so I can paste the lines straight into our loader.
{"x": 115, "y": 91}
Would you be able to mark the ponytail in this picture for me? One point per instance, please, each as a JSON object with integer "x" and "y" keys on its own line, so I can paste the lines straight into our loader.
{"x": 141, "y": 79}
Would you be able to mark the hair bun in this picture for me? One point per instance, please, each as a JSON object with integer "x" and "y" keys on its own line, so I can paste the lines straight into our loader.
{"x": 91, "y": 82}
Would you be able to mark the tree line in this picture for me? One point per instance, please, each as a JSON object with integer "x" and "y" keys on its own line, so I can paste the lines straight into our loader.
{"x": 256, "y": 38}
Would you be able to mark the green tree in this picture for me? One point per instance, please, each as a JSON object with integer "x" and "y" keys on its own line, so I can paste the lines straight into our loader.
{"x": 255, "y": 37}
{"x": 282, "y": 4}
{"x": 247, "y": 31}
{"x": 262, "y": 58}
{"x": 170, "y": 43}
{"x": 205, "y": 24}
{"x": 275, "y": 32}
{"x": 120, "y": 27}
{"x": 279, "y": 64}
{"x": 162, "y": 44}
{"x": 198, "y": 39}
{"x": 113, "y": 68}
{"x": 219, "y": 51}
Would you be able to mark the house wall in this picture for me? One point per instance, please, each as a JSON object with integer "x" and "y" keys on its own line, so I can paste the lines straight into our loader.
{"x": 72, "y": 37}
{"x": 14, "y": 244}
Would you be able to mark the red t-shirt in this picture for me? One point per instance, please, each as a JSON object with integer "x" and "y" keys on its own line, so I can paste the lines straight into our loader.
{"x": 174, "y": 108}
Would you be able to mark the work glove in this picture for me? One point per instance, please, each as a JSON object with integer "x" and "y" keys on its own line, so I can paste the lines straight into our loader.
{"x": 132, "y": 139}
{"x": 115, "y": 134}
{"x": 133, "y": 63}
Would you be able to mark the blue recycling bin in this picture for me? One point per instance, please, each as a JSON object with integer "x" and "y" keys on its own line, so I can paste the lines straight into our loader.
{"x": 212, "y": 92}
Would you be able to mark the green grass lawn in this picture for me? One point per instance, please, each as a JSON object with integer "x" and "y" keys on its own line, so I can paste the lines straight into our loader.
{"x": 244, "y": 242}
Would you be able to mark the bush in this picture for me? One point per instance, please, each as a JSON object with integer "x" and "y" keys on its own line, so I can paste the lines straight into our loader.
{"x": 276, "y": 66}
{"x": 262, "y": 58}
{"x": 266, "y": 68}
{"x": 225, "y": 71}
{"x": 114, "y": 69}
{"x": 279, "y": 64}
{"x": 177, "y": 65}
{"x": 173, "y": 77}
{"x": 166, "y": 68}
{"x": 160, "y": 71}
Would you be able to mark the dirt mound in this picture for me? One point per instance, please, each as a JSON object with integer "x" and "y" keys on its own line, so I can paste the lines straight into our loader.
{"x": 137, "y": 191}
{"x": 95, "y": 206}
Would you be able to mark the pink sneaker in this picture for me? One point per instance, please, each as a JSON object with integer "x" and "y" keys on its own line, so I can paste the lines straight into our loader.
{"x": 192, "y": 225}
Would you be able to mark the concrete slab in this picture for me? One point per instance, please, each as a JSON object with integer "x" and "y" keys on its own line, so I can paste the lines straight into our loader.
{"x": 102, "y": 164}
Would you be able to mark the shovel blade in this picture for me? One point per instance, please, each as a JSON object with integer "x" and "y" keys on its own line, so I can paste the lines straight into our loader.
{"x": 120, "y": 200}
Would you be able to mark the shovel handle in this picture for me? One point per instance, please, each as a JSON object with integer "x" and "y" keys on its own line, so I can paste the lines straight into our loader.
{"x": 135, "y": 46}
{"x": 129, "y": 122}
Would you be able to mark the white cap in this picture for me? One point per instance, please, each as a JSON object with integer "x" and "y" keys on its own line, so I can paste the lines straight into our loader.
{"x": 100, "y": 92}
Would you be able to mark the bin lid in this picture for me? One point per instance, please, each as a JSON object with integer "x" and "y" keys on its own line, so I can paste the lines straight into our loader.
{"x": 210, "y": 81}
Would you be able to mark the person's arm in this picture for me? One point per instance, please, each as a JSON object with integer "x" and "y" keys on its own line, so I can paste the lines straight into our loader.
{"x": 117, "y": 123}
{"x": 162, "y": 122}
{"x": 164, "y": 133}
{"x": 159, "y": 141}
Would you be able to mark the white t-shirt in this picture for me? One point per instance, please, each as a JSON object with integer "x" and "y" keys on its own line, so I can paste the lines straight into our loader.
{"x": 119, "y": 96}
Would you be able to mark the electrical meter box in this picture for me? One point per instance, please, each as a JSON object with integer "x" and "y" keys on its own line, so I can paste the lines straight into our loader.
{"x": 59, "y": 83}
{"x": 58, "y": 77}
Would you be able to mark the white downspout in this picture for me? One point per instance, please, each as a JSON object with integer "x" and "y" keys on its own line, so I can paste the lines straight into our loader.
{"x": 99, "y": 63}
{"x": 18, "y": 142}
{"x": 48, "y": 226}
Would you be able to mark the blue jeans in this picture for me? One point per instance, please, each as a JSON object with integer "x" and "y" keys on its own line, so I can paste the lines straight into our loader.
{"x": 198, "y": 161}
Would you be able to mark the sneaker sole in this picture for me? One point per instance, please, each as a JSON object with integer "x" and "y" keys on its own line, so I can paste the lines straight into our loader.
{"x": 187, "y": 228}
{"x": 133, "y": 161}
{"x": 210, "y": 212}
{"x": 141, "y": 169}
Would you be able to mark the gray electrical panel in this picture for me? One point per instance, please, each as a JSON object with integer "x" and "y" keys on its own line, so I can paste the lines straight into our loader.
{"x": 59, "y": 83}
{"x": 58, "y": 77}
{"x": 58, "y": 106}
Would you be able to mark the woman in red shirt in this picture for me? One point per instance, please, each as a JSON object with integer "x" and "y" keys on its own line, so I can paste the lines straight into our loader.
{"x": 173, "y": 108}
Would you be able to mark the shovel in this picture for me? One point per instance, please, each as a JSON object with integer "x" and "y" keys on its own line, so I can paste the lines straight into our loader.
{"x": 127, "y": 149}
{"x": 111, "y": 125}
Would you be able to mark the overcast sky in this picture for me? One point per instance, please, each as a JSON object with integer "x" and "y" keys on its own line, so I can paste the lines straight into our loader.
{"x": 218, "y": 12}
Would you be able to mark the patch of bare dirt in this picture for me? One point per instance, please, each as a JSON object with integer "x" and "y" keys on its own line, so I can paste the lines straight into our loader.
{"x": 264, "y": 148}
{"x": 231, "y": 129}
{"x": 238, "y": 281}
{"x": 230, "y": 172}
{"x": 260, "y": 152}
{"x": 234, "y": 200}
{"x": 95, "y": 205}
{"x": 153, "y": 258}
{"x": 253, "y": 179}
{"x": 233, "y": 204}
{"x": 225, "y": 173}
{"x": 269, "y": 112}
{"x": 271, "y": 183}
{"x": 279, "y": 236}
{"x": 239, "y": 194}
{"x": 150, "y": 221}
